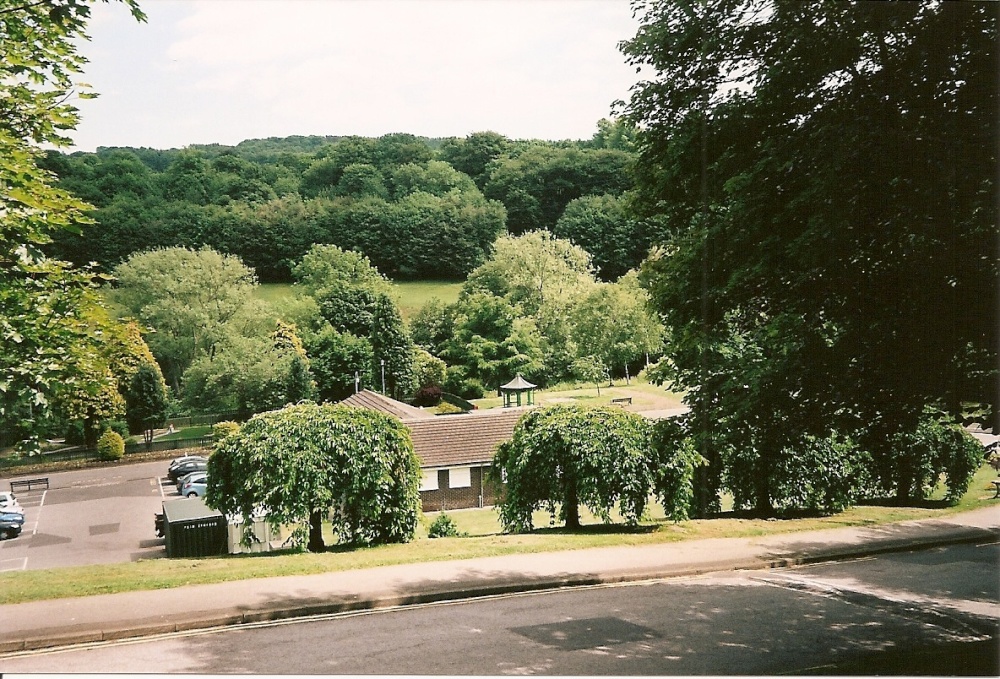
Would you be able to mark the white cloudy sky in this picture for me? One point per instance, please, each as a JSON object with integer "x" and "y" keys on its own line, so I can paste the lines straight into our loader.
{"x": 221, "y": 71}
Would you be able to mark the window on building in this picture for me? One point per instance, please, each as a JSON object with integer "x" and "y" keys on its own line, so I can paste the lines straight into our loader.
{"x": 429, "y": 479}
{"x": 460, "y": 477}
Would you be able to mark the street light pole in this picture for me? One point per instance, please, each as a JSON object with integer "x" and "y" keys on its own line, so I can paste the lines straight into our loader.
{"x": 357, "y": 381}
{"x": 382, "y": 362}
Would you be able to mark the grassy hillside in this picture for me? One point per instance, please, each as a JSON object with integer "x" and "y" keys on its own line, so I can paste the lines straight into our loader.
{"x": 411, "y": 294}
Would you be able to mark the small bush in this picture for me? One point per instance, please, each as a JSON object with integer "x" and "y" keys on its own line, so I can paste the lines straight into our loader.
{"x": 444, "y": 527}
{"x": 221, "y": 430}
{"x": 444, "y": 408}
{"x": 427, "y": 396}
{"x": 111, "y": 446}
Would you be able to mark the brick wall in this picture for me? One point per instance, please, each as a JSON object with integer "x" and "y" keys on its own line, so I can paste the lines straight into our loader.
{"x": 481, "y": 493}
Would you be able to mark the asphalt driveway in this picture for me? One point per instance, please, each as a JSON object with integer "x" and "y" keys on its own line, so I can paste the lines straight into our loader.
{"x": 93, "y": 516}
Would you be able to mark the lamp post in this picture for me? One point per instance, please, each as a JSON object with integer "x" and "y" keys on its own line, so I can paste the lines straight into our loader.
{"x": 382, "y": 362}
{"x": 357, "y": 381}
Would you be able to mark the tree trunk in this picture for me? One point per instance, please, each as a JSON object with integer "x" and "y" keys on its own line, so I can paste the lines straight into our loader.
{"x": 571, "y": 506}
{"x": 316, "y": 543}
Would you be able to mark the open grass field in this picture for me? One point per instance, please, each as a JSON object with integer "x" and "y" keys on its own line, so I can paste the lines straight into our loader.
{"x": 411, "y": 295}
{"x": 644, "y": 396}
{"x": 483, "y": 539}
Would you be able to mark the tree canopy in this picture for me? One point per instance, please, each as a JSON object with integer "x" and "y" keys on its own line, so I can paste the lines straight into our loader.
{"x": 563, "y": 456}
{"x": 822, "y": 177}
{"x": 309, "y": 463}
{"x": 43, "y": 301}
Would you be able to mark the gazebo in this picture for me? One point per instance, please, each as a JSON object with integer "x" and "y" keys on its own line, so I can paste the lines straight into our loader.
{"x": 512, "y": 391}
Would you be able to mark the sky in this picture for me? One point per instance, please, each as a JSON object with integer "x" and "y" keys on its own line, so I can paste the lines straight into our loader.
{"x": 222, "y": 71}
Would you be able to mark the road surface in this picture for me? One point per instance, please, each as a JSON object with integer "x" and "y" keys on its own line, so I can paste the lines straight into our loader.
{"x": 927, "y": 612}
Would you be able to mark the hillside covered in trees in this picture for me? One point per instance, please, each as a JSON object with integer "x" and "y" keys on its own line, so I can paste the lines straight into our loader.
{"x": 416, "y": 207}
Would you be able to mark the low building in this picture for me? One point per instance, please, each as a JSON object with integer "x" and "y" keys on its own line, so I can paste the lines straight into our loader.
{"x": 455, "y": 451}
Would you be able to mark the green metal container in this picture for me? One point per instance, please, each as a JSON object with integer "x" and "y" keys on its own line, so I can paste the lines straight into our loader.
{"x": 192, "y": 529}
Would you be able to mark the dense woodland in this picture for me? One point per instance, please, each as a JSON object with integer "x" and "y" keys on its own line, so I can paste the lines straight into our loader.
{"x": 416, "y": 207}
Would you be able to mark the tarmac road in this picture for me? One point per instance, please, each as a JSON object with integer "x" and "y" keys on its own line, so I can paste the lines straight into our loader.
{"x": 933, "y": 611}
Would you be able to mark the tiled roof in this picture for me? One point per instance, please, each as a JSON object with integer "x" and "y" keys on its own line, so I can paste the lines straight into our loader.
{"x": 375, "y": 401}
{"x": 453, "y": 440}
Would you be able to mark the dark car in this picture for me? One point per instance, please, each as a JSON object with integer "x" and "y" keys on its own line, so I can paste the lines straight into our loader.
{"x": 185, "y": 468}
{"x": 10, "y": 524}
{"x": 185, "y": 458}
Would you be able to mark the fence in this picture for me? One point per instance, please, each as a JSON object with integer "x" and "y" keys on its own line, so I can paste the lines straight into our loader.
{"x": 195, "y": 420}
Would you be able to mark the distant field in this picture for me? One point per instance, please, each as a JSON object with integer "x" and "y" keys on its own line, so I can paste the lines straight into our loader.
{"x": 412, "y": 294}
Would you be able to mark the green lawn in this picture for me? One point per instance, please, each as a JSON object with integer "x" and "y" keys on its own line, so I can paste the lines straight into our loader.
{"x": 411, "y": 294}
{"x": 415, "y": 294}
{"x": 195, "y": 432}
{"x": 484, "y": 539}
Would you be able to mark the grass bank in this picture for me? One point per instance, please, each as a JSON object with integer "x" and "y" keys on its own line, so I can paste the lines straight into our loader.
{"x": 411, "y": 295}
{"x": 483, "y": 539}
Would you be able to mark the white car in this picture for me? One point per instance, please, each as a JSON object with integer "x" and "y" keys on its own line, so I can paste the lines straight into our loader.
{"x": 8, "y": 503}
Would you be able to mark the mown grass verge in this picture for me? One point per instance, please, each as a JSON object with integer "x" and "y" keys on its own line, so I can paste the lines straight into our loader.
{"x": 484, "y": 539}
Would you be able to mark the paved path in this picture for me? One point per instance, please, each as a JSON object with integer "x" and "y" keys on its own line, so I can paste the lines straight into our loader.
{"x": 115, "y": 616}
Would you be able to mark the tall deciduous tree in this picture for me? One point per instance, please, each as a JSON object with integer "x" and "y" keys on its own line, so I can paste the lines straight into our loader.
{"x": 187, "y": 296}
{"x": 305, "y": 463}
{"x": 824, "y": 178}
{"x": 42, "y": 301}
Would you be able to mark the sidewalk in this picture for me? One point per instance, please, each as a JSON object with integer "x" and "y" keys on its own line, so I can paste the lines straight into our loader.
{"x": 116, "y": 616}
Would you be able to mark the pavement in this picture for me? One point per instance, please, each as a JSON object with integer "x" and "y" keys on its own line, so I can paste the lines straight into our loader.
{"x": 62, "y": 622}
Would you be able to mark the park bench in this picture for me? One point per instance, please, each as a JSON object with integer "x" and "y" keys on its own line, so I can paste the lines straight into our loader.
{"x": 28, "y": 484}
{"x": 624, "y": 401}
{"x": 996, "y": 488}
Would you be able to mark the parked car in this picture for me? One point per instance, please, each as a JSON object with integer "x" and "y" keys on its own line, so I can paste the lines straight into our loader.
{"x": 180, "y": 482}
{"x": 195, "y": 485}
{"x": 186, "y": 467}
{"x": 185, "y": 458}
{"x": 8, "y": 503}
{"x": 10, "y": 524}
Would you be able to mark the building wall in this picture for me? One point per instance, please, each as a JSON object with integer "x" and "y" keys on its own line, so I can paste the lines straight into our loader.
{"x": 480, "y": 493}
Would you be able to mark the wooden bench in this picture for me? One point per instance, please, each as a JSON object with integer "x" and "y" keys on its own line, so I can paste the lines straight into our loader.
{"x": 624, "y": 401}
{"x": 29, "y": 483}
{"x": 996, "y": 489}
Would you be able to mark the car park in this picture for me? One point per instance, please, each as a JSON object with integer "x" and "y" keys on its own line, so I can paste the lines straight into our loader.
{"x": 10, "y": 524}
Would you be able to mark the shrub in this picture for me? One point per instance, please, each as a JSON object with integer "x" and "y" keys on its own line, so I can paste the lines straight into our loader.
{"x": 427, "y": 396}
{"x": 444, "y": 527}
{"x": 221, "y": 430}
{"x": 445, "y": 408}
{"x": 111, "y": 446}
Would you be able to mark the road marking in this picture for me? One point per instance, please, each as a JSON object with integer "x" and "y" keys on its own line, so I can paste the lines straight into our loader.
{"x": 23, "y": 566}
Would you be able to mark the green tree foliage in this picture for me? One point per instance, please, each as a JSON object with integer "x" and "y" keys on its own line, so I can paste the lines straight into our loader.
{"x": 392, "y": 349}
{"x": 473, "y": 155}
{"x": 146, "y": 401}
{"x": 188, "y": 297}
{"x": 561, "y": 457}
{"x": 490, "y": 345}
{"x": 111, "y": 446}
{"x": 822, "y": 176}
{"x": 336, "y": 359}
{"x": 601, "y": 226}
{"x": 675, "y": 461}
{"x": 615, "y": 324}
{"x": 43, "y": 301}
{"x": 536, "y": 185}
{"x": 306, "y": 463}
